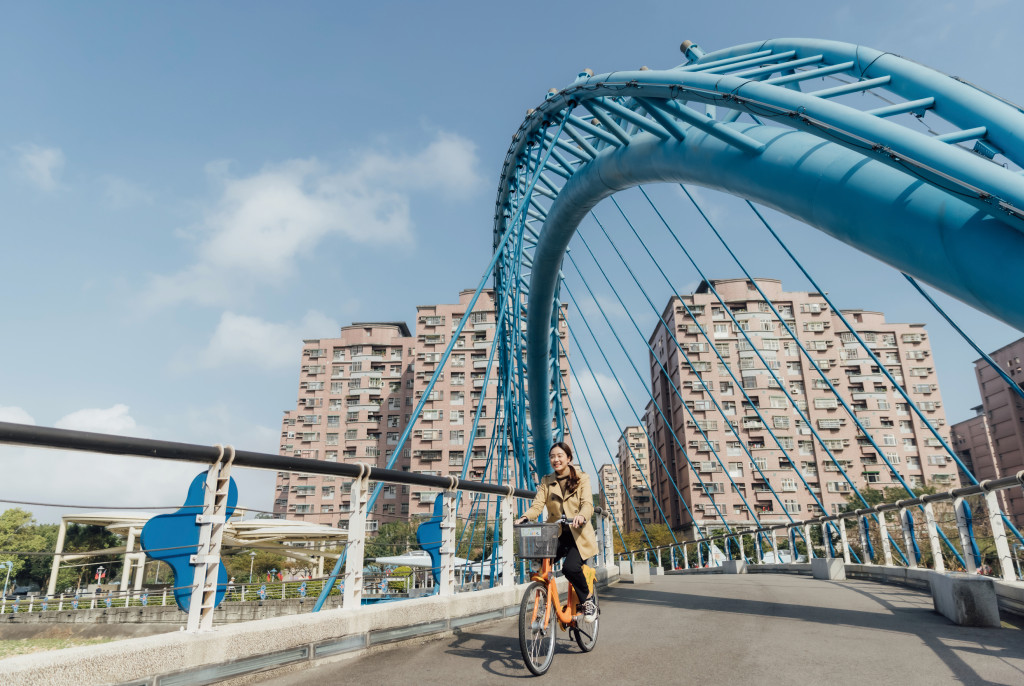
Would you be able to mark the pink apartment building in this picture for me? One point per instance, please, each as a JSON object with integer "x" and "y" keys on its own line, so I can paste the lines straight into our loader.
{"x": 611, "y": 493}
{"x": 357, "y": 393}
{"x": 906, "y": 442}
{"x": 991, "y": 443}
{"x": 635, "y": 500}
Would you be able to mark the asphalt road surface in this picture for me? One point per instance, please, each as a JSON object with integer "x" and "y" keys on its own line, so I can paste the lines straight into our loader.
{"x": 718, "y": 629}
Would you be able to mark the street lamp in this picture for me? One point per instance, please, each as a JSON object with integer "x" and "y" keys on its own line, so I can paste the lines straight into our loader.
{"x": 252, "y": 558}
{"x": 9, "y": 565}
{"x": 100, "y": 573}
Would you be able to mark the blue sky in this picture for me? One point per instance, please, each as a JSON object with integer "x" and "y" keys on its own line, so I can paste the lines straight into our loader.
{"x": 176, "y": 178}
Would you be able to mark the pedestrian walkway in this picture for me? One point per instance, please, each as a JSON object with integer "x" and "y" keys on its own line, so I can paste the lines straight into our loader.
{"x": 756, "y": 629}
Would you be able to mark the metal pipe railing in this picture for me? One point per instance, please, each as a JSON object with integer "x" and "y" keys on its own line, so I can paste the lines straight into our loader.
{"x": 84, "y": 441}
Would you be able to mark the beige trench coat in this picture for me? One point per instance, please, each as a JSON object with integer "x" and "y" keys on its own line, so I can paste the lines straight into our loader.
{"x": 580, "y": 501}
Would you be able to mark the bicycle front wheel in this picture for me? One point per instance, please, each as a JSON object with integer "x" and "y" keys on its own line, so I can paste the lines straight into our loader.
{"x": 536, "y": 641}
{"x": 585, "y": 632}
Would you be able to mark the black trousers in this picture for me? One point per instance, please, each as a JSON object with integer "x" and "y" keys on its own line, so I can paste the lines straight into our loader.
{"x": 572, "y": 565}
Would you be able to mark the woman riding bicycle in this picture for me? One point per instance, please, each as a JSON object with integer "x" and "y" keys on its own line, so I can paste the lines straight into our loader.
{"x": 567, "y": 492}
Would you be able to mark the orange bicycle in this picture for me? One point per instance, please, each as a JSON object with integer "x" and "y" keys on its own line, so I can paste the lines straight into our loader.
{"x": 541, "y": 608}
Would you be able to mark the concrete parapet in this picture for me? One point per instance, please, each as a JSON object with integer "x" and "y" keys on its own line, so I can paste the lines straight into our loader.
{"x": 965, "y": 599}
{"x": 658, "y": 571}
{"x": 734, "y": 567}
{"x": 829, "y": 569}
{"x": 233, "y": 650}
{"x": 641, "y": 574}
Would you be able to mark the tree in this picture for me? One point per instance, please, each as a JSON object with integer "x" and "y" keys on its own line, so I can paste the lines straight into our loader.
{"x": 237, "y": 564}
{"x": 392, "y": 538}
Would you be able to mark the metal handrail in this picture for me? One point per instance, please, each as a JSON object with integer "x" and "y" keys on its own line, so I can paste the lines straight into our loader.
{"x": 85, "y": 441}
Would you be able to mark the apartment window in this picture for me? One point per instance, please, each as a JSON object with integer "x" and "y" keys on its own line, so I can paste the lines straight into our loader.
{"x": 456, "y": 417}
{"x": 791, "y": 505}
{"x": 734, "y": 448}
{"x": 872, "y": 477}
{"x": 724, "y": 388}
{"x": 457, "y": 437}
{"x": 350, "y": 435}
{"x": 780, "y": 422}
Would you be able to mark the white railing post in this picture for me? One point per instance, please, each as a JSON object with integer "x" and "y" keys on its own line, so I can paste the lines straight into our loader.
{"x": 883, "y": 528}
{"x": 686, "y": 558}
{"x": 844, "y": 540}
{"x": 827, "y": 540}
{"x": 508, "y": 563}
{"x": 206, "y": 561}
{"x": 672, "y": 557}
{"x": 51, "y": 586}
{"x": 965, "y": 535}
{"x": 758, "y": 552}
{"x": 352, "y": 594}
{"x": 126, "y": 566}
{"x": 447, "y": 587}
{"x": 999, "y": 534}
{"x": 865, "y": 541}
{"x": 908, "y": 537}
{"x": 808, "y": 541}
{"x": 775, "y": 547}
{"x": 659, "y": 557}
{"x": 933, "y": 538}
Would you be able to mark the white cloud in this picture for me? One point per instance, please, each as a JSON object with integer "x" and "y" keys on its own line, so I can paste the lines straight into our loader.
{"x": 253, "y": 342}
{"x": 263, "y": 225}
{"x": 15, "y": 415}
{"x": 121, "y": 193}
{"x": 112, "y": 420}
{"x": 97, "y": 480}
{"x": 41, "y": 166}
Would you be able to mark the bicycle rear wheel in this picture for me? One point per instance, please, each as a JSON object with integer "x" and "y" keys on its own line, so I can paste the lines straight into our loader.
{"x": 536, "y": 642}
{"x": 586, "y": 633}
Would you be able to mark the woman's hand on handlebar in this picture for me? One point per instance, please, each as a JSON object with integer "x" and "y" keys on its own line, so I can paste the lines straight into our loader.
{"x": 522, "y": 520}
{"x": 578, "y": 521}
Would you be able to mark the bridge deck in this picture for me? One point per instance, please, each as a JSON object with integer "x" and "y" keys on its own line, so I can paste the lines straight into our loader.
{"x": 721, "y": 629}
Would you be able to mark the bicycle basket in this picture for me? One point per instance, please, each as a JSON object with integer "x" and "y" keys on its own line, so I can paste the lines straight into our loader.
{"x": 537, "y": 541}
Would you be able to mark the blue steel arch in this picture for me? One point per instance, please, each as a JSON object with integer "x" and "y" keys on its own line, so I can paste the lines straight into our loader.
{"x": 861, "y": 176}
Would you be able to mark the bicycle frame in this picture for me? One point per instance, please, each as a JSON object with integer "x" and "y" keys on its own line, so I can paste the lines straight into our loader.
{"x": 547, "y": 577}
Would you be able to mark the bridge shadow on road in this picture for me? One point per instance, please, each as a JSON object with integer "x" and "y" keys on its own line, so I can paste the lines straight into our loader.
{"x": 852, "y": 605}
{"x": 498, "y": 654}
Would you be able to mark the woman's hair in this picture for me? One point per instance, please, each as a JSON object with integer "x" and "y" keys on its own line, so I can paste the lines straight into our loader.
{"x": 574, "y": 478}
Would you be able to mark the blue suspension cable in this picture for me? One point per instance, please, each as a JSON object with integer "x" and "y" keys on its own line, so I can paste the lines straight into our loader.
{"x": 597, "y": 473}
{"x": 992, "y": 363}
{"x": 883, "y": 368}
{"x": 661, "y": 412}
{"x": 668, "y": 377}
{"x": 593, "y": 418}
{"x": 643, "y": 476}
{"x": 807, "y": 355}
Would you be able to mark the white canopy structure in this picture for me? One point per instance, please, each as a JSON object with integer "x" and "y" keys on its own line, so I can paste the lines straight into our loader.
{"x": 276, "y": 534}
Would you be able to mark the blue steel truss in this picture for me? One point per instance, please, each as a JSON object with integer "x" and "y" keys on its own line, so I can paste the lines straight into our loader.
{"x": 755, "y": 121}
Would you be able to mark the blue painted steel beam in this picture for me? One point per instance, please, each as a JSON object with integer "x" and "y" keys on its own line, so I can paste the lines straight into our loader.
{"x": 883, "y": 212}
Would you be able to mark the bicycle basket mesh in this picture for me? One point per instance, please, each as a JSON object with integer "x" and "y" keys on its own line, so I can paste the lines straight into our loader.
{"x": 537, "y": 541}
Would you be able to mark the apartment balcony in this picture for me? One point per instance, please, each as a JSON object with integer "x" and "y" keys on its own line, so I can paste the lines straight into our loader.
{"x": 867, "y": 378}
{"x": 480, "y": 364}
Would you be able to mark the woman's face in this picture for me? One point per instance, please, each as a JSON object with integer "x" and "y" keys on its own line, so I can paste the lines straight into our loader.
{"x": 559, "y": 461}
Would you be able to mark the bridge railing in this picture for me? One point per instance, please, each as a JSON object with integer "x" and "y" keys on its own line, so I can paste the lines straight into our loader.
{"x": 988, "y": 490}
{"x": 220, "y": 460}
